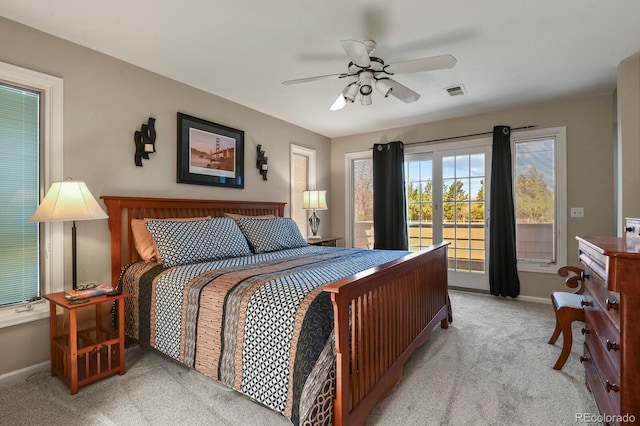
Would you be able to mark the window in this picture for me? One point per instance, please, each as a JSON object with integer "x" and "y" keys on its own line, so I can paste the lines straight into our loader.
{"x": 539, "y": 192}
{"x": 303, "y": 176}
{"x": 419, "y": 186}
{"x": 359, "y": 181}
{"x": 19, "y": 189}
{"x": 447, "y": 198}
{"x": 31, "y": 155}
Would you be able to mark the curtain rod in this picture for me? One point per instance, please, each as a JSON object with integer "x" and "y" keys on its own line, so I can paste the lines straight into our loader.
{"x": 467, "y": 136}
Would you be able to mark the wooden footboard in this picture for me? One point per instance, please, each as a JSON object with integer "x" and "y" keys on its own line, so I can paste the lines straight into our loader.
{"x": 381, "y": 316}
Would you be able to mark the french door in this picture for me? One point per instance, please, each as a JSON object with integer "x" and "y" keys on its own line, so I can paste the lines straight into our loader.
{"x": 447, "y": 194}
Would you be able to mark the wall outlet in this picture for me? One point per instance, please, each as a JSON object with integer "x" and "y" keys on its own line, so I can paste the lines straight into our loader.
{"x": 577, "y": 211}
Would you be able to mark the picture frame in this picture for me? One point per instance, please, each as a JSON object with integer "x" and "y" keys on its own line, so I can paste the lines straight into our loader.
{"x": 209, "y": 153}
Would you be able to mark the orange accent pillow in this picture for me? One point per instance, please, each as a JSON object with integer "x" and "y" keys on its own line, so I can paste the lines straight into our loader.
{"x": 145, "y": 246}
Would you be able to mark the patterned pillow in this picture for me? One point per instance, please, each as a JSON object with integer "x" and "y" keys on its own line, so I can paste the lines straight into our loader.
{"x": 143, "y": 242}
{"x": 181, "y": 243}
{"x": 266, "y": 235}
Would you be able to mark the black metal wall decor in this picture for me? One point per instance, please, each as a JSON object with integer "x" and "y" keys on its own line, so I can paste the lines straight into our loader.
{"x": 145, "y": 141}
{"x": 261, "y": 162}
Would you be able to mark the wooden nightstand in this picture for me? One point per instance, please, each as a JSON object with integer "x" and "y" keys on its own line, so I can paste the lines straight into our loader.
{"x": 324, "y": 241}
{"x": 80, "y": 357}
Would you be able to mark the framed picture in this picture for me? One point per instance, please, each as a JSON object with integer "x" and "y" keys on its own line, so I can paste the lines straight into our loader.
{"x": 209, "y": 153}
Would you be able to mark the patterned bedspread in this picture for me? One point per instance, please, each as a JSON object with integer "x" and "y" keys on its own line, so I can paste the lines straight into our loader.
{"x": 260, "y": 324}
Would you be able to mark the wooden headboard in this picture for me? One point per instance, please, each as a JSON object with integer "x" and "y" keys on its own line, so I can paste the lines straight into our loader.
{"x": 122, "y": 209}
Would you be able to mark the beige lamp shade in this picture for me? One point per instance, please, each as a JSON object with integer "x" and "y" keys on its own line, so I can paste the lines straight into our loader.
{"x": 314, "y": 199}
{"x": 66, "y": 201}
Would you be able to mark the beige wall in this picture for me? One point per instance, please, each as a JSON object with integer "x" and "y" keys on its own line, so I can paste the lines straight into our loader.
{"x": 105, "y": 101}
{"x": 589, "y": 123}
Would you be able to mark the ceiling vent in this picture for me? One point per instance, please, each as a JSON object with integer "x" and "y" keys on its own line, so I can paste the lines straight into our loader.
{"x": 457, "y": 90}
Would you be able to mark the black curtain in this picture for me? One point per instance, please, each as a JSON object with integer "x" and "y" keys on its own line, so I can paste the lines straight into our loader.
{"x": 389, "y": 201}
{"x": 503, "y": 273}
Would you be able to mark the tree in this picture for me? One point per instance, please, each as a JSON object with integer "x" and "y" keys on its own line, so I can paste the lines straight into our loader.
{"x": 477, "y": 206}
{"x": 363, "y": 190}
{"x": 452, "y": 209}
{"x": 534, "y": 199}
{"x": 420, "y": 202}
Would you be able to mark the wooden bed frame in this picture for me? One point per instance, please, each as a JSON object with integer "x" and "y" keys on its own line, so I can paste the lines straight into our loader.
{"x": 381, "y": 315}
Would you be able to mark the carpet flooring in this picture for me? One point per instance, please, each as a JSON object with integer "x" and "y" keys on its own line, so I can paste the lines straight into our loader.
{"x": 491, "y": 367}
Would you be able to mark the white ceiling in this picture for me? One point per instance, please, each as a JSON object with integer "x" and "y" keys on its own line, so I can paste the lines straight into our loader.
{"x": 509, "y": 52}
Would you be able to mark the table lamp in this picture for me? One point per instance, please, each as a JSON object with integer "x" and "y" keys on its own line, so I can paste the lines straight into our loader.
{"x": 314, "y": 200}
{"x": 69, "y": 201}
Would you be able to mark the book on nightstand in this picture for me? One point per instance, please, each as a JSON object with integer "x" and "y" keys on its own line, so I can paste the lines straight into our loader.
{"x": 88, "y": 292}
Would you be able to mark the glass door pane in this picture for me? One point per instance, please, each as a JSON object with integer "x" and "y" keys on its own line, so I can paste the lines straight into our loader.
{"x": 463, "y": 210}
{"x": 419, "y": 183}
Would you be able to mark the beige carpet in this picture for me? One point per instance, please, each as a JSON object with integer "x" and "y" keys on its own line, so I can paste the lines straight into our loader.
{"x": 491, "y": 367}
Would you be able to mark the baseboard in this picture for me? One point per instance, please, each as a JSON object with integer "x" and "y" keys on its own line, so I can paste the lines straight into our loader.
{"x": 545, "y": 300}
{"x": 534, "y": 299}
{"x": 23, "y": 374}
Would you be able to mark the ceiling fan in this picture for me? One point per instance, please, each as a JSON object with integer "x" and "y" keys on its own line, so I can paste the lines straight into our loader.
{"x": 371, "y": 71}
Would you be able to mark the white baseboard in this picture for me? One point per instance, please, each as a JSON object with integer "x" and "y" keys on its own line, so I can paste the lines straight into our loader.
{"x": 534, "y": 299}
{"x": 545, "y": 300}
{"x": 23, "y": 374}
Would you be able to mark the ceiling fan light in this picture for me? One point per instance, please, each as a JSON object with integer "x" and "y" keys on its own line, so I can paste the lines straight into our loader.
{"x": 383, "y": 87}
{"x": 365, "y": 90}
{"x": 365, "y": 99}
{"x": 352, "y": 92}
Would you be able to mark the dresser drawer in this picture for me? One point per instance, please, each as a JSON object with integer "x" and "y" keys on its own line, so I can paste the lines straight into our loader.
{"x": 596, "y": 385}
{"x": 603, "y": 331}
{"x": 608, "y": 377}
{"x": 601, "y": 297}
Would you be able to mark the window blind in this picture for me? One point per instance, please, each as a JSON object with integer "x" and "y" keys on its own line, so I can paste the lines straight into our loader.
{"x": 19, "y": 193}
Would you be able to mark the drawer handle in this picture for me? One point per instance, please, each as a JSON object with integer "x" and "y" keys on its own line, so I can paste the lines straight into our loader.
{"x": 585, "y": 330}
{"x": 612, "y": 304}
{"x": 612, "y": 387}
{"x": 584, "y": 276}
{"x": 612, "y": 346}
{"x": 585, "y": 303}
{"x": 585, "y": 359}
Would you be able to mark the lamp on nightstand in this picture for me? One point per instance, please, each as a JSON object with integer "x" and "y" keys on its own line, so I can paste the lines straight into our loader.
{"x": 69, "y": 201}
{"x": 314, "y": 200}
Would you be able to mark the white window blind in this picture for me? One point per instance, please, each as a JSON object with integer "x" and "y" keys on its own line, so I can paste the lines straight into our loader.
{"x": 19, "y": 183}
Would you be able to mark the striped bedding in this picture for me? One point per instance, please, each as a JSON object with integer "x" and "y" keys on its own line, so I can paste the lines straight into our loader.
{"x": 261, "y": 324}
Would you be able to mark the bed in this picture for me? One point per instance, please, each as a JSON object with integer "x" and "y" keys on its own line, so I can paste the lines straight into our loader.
{"x": 319, "y": 334}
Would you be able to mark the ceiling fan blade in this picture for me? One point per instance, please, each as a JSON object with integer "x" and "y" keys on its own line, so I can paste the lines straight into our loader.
{"x": 357, "y": 52}
{"x": 340, "y": 102}
{"x": 424, "y": 64}
{"x": 319, "y": 77}
{"x": 402, "y": 92}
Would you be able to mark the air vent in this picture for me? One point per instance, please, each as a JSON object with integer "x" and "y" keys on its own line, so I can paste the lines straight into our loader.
{"x": 457, "y": 90}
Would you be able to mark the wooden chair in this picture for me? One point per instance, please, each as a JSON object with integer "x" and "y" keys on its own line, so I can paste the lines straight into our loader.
{"x": 568, "y": 308}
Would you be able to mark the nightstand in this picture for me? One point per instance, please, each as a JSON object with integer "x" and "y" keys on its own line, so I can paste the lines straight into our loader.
{"x": 324, "y": 241}
{"x": 80, "y": 357}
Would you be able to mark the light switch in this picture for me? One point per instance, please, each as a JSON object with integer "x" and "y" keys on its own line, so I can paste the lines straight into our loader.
{"x": 577, "y": 211}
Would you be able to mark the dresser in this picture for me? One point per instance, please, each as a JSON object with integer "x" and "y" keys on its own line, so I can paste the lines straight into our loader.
{"x": 611, "y": 300}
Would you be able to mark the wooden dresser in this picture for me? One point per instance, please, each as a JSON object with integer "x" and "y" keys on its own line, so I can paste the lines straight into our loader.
{"x": 612, "y": 328}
